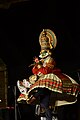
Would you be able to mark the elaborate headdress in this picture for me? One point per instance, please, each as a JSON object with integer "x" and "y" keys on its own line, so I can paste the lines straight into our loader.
{"x": 47, "y": 40}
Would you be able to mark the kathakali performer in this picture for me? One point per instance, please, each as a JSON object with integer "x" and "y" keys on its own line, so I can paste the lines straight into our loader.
{"x": 48, "y": 86}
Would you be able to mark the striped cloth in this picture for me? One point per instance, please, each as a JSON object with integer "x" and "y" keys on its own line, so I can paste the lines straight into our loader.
{"x": 56, "y": 84}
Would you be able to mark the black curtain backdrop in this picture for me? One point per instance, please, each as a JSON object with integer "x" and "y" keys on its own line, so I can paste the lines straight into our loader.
{"x": 20, "y": 27}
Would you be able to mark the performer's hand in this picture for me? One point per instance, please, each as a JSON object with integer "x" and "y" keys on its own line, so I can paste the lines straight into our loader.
{"x": 36, "y": 60}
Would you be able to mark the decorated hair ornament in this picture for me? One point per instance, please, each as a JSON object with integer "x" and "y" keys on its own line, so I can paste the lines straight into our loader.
{"x": 47, "y": 39}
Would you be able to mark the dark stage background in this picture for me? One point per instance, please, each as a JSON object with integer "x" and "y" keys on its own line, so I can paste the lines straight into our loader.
{"x": 20, "y": 27}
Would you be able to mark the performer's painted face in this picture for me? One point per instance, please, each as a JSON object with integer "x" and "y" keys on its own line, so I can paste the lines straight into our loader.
{"x": 43, "y": 54}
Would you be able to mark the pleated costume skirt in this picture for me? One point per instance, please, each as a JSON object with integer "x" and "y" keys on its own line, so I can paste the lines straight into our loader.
{"x": 64, "y": 89}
